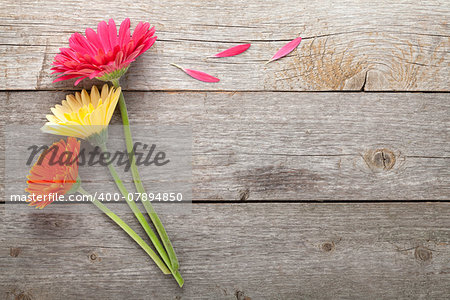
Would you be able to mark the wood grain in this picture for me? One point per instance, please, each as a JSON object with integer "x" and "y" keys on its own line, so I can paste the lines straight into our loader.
{"x": 234, "y": 251}
{"x": 350, "y": 45}
{"x": 265, "y": 132}
{"x": 293, "y": 146}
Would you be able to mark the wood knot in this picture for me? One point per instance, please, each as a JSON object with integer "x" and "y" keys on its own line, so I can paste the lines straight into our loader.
{"x": 327, "y": 247}
{"x": 14, "y": 252}
{"x": 243, "y": 195}
{"x": 23, "y": 296}
{"x": 422, "y": 253}
{"x": 240, "y": 296}
{"x": 93, "y": 256}
{"x": 382, "y": 159}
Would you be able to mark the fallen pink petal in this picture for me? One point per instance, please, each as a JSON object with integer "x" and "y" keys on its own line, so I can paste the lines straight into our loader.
{"x": 286, "y": 49}
{"x": 233, "y": 51}
{"x": 199, "y": 75}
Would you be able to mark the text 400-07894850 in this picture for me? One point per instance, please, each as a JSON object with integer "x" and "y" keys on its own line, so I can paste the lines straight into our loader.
{"x": 152, "y": 197}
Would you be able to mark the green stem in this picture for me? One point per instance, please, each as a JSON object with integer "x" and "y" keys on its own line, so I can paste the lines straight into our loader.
{"x": 151, "y": 234}
{"x": 128, "y": 230}
{"x": 138, "y": 182}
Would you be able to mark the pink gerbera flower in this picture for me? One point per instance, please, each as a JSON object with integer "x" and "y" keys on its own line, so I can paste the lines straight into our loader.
{"x": 103, "y": 54}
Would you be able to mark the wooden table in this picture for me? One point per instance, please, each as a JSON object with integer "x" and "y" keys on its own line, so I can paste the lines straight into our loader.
{"x": 323, "y": 175}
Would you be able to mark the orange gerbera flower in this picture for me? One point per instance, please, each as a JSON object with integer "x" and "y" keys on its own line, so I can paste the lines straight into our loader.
{"x": 54, "y": 173}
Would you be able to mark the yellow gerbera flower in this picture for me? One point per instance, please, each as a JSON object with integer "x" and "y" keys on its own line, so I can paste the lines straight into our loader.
{"x": 82, "y": 115}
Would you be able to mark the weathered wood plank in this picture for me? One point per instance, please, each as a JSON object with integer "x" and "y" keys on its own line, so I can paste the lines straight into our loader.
{"x": 227, "y": 251}
{"x": 347, "y": 46}
{"x": 294, "y": 146}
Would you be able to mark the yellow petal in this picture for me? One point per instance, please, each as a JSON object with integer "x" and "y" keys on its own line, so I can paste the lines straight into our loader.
{"x": 85, "y": 97}
{"x": 105, "y": 91}
{"x": 72, "y": 101}
{"x": 52, "y": 119}
{"x": 57, "y": 112}
{"x": 95, "y": 96}
{"x": 78, "y": 97}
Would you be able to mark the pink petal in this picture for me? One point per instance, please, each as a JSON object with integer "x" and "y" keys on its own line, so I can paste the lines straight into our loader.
{"x": 103, "y": 34}
{"x": 233, "y": 51}
{"x": 92, "y": 37}
{"x": 140, "y": 30}
{"x": 151, "y": 31}
{"x": 78, "y": 81}
{"x": 80, "y": 44}
{"x": 124, "y": 32}
{"x": 112, "y": 33}
{"x": 149, "y": 44}
{"x": 286, "y": 49}
{"x": 202, "y": 76}
{"x": 66, "y": 77}
{"x": 119, "y": 57}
